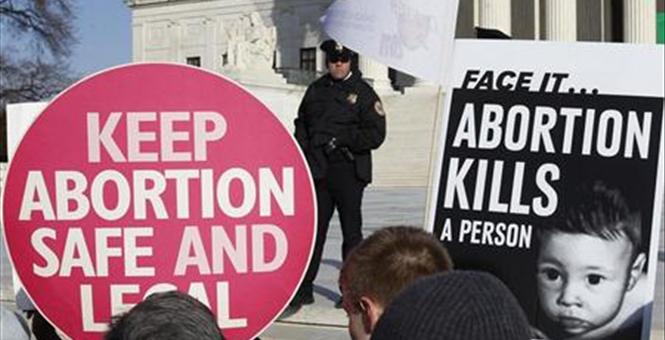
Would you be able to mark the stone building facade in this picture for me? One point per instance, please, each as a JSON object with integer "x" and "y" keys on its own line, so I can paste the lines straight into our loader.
{"x": 270, "y": 46}
{"x": 255, "y": 38}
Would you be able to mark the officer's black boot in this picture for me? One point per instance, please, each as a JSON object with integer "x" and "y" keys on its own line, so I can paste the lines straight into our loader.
{"x": 301, "y": 298}
{"x": 339, "y": 303}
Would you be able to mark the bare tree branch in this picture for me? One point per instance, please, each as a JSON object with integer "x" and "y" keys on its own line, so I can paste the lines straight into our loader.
{"x": 24, "y": 81}
{"x": 48, "y": 24}
{"x": 33, "y": 63}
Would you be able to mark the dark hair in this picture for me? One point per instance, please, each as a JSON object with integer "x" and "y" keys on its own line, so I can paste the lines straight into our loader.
{"x": 389, "y": 260}
{"x": 165, "y": 316}
{"x": 598, "y": 210}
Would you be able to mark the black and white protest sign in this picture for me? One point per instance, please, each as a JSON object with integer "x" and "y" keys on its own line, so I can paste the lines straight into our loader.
{"x": 550, "y": 176}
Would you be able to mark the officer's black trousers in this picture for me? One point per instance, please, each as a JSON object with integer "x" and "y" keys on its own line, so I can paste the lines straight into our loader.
{"x": 340, "y": 189}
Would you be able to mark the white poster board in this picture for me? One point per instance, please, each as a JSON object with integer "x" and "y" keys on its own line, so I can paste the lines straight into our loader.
{"x": 19, "y": 118}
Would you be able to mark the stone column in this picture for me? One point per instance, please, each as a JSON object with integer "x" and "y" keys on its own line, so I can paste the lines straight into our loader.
{"x": 495, "y": 14}
{"x": 138, "y": 42}
{"x": 639, "y": 21}
{"x": 376, "y": 72}
{"x": 561, "y": 20}
{"x": 210, "y": 59}
{"x": 174, "y": 31}
{"x": 536, "y": 20}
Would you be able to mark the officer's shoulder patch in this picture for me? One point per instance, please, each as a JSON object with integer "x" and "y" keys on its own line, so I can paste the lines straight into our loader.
{"x": 378, "y": 107}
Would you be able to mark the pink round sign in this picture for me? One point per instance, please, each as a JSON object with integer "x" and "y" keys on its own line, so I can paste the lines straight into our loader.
{"x": 153, "y": 177}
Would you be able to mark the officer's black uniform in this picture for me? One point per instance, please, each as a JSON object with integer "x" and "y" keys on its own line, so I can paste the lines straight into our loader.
{"x": 339, "y": 123}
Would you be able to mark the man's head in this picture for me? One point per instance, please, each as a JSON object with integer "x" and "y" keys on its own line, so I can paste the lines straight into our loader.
{"x": 380, "y": 267}
{"x": 338, "y": 59}
{"x": 454, "y": 305}
{"x": 589, "y": 257}
{"x": 166, "y": 316}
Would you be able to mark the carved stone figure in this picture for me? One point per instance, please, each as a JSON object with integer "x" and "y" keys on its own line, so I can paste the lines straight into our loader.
{"x": 250, "y": 43}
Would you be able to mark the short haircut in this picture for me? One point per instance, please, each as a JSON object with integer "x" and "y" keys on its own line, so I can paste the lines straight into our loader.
{"x": 389, "y": 260}
{"x": 598, "y": 210}
{"x": 166, "y": 316}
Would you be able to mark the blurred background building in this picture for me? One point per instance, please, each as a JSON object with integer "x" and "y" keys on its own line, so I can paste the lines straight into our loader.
{"x": 246, "y": 38}
{"x": 271, "y": 47}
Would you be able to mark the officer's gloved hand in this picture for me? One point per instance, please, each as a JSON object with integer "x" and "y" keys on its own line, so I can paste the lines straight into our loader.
{"x": 331, "y": 145}
{"x": 344, "y": 138}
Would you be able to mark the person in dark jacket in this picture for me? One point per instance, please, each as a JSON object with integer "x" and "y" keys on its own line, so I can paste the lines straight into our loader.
{"x": 340, "y": 121}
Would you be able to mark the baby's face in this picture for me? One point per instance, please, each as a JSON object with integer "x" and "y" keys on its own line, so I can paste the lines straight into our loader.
{"x": 582, "y": 279}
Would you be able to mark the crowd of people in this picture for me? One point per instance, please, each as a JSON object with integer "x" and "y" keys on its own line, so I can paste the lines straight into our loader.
{"x": 399, "y": 283}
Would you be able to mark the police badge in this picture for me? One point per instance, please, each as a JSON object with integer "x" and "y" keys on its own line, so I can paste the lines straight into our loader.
{"x": 352, "y": 98}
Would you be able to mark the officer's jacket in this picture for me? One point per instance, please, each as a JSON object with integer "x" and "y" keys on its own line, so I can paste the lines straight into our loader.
{"x": 348, "y": 110}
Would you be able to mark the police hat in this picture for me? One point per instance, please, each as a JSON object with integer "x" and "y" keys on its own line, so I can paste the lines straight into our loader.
{"x": 335, "y": 49}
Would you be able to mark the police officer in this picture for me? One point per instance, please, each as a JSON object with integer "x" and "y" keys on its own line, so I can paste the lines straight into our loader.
{"x": 340, "y": 120}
